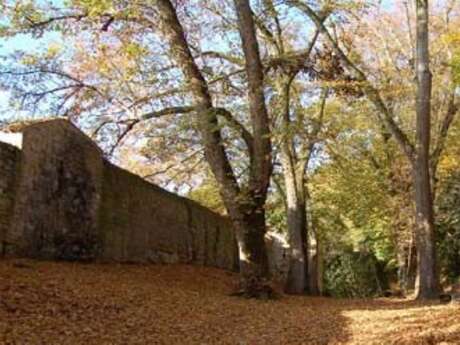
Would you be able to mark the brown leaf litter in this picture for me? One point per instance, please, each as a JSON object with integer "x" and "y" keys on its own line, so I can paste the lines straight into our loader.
{"x": 70, "y": 303}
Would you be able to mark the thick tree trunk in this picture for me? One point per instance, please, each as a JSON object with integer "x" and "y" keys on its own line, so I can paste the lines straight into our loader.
{"x": 249, "y": 221}
{"x": 254, "y": 267}
{"x": 255, "y": 270}
{"x": 427, "y": 279}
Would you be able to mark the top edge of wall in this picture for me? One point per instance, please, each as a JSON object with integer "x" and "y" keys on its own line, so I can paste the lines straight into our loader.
{"x": 60, "y": 122}
{"x": 49, "y": 123}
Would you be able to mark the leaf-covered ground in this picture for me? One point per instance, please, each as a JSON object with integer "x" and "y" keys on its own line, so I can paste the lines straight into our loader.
{"x": 64, "y": 303}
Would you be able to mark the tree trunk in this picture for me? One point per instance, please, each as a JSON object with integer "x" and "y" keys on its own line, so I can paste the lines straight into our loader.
{"x": 249, "y": 221}
{"x": 296, "y": 226}
{"x": 427, "y": 279}
{"x": 297, "y": 279}
{"x": 315, "y": 257}
{"x": 254, "y": 267}
{"x": 252, "y": 229}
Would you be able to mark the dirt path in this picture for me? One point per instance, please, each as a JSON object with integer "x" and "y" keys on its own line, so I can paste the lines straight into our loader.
{"x": 62, "y": 303}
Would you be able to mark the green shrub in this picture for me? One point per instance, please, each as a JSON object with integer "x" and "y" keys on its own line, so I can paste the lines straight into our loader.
{"x": 354, "y": 275}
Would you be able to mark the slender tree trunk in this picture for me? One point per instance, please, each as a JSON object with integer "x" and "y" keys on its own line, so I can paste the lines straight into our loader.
{"x": 315, "y": 255}
{"x": 316, "y": 269}
{"x": 296, "y": 226}
{"x": 427, "y": 278}
{"x": 297, "y": 279}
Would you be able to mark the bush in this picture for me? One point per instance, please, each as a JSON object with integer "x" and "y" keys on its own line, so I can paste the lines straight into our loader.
{"x": 354, "y": 275}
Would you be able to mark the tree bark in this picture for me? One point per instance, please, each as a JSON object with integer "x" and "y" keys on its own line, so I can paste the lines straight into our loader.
{"x": 252, "y": 233}
{"x": 254, "y": 267}
{"x": 294, "y": 173}
{"x": 427, "y": 279}
{"x": 245, "y": 207}
{"x": 297, "y": 278}
{"x": 261, "y": 167}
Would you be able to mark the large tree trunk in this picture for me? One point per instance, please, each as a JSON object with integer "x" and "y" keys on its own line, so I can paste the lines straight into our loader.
{"x": 427, "y": 279}
{"x": 252, "y": 233}
{"x": 254, "y": 267}
{"x": 427, "y": 285}
{"x": 246, "y": 209}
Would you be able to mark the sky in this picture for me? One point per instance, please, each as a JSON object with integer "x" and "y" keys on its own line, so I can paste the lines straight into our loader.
{"x": 11, "y": 138}
{"x": 29, "y": 44}
{"x": 20, "y": 43}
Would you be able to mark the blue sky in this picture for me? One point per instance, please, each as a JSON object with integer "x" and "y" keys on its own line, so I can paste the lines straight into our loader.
{"x": 23, "y": 43}
{"x": 28, "y": 44}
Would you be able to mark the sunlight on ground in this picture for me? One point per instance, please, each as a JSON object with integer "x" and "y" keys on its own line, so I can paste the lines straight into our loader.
{"x": 63, "y": 303}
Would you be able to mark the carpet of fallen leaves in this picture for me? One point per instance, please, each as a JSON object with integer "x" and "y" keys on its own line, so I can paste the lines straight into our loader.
{"x": 69, "y": 303}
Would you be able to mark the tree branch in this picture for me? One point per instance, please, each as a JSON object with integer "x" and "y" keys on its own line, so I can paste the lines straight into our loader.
{"x": 219, "y": 55}
{"x": 167, "y": 111}
{"x": 246, "y": 135}
{"x": 452, "y": 110}
{"x": 383, "y": 112}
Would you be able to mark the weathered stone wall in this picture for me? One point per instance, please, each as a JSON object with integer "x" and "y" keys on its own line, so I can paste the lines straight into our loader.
{"x": 57, "y": 200}
{"x": 142, "y": 222}
{"x": 9, "y": 169}
{"x": 72, "y": 204}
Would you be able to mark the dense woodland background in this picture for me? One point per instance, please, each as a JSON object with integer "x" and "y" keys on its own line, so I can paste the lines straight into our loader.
{"x": 319, "y": 120}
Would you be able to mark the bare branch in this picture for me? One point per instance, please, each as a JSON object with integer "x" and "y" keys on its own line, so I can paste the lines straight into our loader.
{"x": 167, "y": 111}
{"x": 40, "y": 24}
{"x": 246, "y": 135}
{"x": 129, "y": 127}
{"x": 175, "y": 164}
{"x": 383, "y": 112}
{"x": 219, "y": 55}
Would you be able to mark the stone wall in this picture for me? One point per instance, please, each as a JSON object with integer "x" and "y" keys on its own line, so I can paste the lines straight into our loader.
{"x": 72, "y": 204}
{"x": 177, "y": 230}
{"x": 58, "y": 194}
{"x": 9, "y": 163}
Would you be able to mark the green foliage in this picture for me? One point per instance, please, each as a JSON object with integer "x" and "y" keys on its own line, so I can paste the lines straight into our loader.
{"x": 456, "y": 67}
{"x": 95, "y": 7}
{"x": 207, "y": 194}
{"x": 454, "y": 39}
{"x": 354, "y": 275}
{"x": 448, "y": 227}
